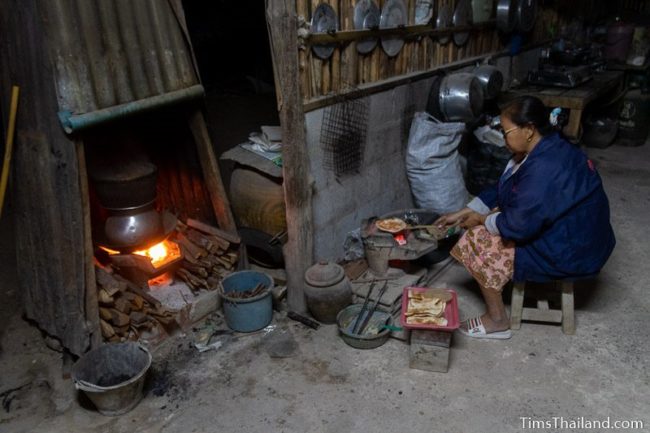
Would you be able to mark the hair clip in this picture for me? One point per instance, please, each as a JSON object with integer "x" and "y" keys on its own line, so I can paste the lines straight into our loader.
{"x": 552, "y": 118}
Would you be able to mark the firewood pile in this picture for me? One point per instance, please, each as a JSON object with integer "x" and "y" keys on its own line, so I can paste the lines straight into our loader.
{"x": 209, "y": 254}
{"x": 126, "y": 310}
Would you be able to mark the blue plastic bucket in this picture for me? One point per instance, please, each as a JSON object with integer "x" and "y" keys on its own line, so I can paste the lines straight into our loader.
{"x": 248, "y": 314}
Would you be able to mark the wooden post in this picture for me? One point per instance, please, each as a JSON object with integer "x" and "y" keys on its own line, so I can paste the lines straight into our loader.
{"x": 298, "y": 251}
{"x": 90, "y": 302}
{"x": 211, "y": 173}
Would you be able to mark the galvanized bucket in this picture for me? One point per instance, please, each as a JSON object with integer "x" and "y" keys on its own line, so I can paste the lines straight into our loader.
{"x": 112, "y": 376}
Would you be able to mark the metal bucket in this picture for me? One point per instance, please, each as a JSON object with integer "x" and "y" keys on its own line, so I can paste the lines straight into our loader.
{"x": 461, "y": 97}
{"x": 112, "y": 376}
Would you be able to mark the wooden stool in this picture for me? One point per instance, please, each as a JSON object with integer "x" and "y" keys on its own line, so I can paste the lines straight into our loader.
{"x": 542, "y": 313}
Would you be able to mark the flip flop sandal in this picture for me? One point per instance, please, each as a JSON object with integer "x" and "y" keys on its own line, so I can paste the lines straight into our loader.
{"x": 475, "y": 329}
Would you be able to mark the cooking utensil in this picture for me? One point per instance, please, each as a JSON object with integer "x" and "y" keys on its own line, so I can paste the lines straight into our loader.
{"x": 506, "y": 15}
{"x": 366, "y": 16}
{"x": 462, "y": 17}
{"x": 461, "y": 97}
{"x": 433, "y": 102}
{"x": 363, "y": 308}
{"x": 128, "y": 231}
{"x": 324, "y": 20}
{"x": 372, "y": 309}
{"x": 381, "y": 319}
{"x": 443, "y": 21}
{"x": 393, "y": 15}
{"x": 131, "y": 184}
{"x": 526, "y": 14}
{"x": 423, "y": 11}
{"x": 490, "y": 78}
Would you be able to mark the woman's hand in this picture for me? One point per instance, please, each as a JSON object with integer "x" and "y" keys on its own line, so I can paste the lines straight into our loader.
{"x": 473, "y": 219}
{"x": 452, "y": 219}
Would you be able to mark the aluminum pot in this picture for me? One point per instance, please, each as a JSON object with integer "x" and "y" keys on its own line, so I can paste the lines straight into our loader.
{"x": 125, "y": 186}
{"x": 128, "y": 230}
{"x": 461, "y": 97}
{"x": 491, "y": 80}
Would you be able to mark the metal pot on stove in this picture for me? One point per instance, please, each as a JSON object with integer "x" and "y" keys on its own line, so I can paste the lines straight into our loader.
{"x": 127, "y": 192}
{"x": 461, "y": 97}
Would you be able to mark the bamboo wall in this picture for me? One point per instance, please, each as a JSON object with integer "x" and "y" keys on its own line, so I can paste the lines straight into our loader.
{"x": 346, "y": 69}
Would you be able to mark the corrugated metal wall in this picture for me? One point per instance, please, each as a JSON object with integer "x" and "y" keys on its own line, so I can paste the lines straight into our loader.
{"x": 110, "y": 52}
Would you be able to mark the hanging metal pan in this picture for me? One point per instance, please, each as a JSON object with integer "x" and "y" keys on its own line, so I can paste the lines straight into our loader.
{"x": 324, "y": 20}
{"x": 443, "y": 21}
{"x": 423, "y": 11}
{"x": 461, "y": 97}
{"x": 462, "y": 17}
{"x": 506, "y": 15}
{"x": 526, "y": 14}
{"x": 366, "y": 16}
{"x": 393, "y": 15}
{"x": 490, "y": 78}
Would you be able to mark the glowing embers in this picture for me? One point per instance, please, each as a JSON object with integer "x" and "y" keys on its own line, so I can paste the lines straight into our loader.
{"x": 144, "y": 265}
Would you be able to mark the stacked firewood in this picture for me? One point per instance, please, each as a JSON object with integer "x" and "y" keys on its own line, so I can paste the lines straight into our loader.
{"x": 125, "y": 310}
{"x": 209, "y": 254}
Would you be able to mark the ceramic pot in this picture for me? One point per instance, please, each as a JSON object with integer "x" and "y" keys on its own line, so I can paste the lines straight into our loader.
{"x": 327, "y": 291}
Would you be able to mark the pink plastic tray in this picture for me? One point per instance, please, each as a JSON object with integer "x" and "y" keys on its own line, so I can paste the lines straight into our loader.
{"x": 451, "y": 312}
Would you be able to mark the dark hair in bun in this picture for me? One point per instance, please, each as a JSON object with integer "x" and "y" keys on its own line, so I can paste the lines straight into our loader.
{"x": 529, "y": 110}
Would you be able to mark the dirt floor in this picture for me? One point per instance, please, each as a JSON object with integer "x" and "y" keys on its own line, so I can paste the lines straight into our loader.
{"x": 319, "y": 384}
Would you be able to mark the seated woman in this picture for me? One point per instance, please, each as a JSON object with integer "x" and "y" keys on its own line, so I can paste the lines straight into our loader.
{"x": 546, "y": 219}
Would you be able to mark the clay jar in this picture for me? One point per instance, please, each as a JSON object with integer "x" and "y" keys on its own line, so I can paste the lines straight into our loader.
{"x": 327, "y": 291}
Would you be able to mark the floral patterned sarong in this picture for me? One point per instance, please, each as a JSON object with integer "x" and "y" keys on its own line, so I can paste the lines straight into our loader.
{"x": 487, "y": 257}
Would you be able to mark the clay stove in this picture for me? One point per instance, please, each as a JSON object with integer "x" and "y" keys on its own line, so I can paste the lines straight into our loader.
{"x": 381, "y": 247}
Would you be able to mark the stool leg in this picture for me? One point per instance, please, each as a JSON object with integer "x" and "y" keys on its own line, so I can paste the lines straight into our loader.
{"x": 517, "y": 304}
{"x": 568, "y": 317}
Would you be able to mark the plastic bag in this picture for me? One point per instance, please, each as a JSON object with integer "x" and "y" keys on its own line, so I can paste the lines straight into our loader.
{"x": 433, "y": 164}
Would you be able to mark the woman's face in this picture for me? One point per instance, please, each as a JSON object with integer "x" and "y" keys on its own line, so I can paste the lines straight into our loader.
{"x": 516, "y": 137}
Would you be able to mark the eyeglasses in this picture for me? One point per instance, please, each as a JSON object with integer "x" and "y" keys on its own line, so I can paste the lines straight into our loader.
{"x": 508, "y": 131}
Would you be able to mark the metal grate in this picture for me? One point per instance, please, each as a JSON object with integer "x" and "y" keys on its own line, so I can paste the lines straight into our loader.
{"x": 343, "y": 136}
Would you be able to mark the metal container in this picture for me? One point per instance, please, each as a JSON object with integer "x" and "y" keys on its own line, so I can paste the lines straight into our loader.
{"x": 619, "y": 40}
{"x": 124, "y": 186}
{"x": 491, "y": 80}
{"x": 526, "y": 15}
{"x": 347, "y": 316}
{"x": 327, "y": 291}
{"x": 506, "y": 15}
{"x": 112, "y": 376}
{"x": 461, "y": 97}
{"x": 633, "y": 119}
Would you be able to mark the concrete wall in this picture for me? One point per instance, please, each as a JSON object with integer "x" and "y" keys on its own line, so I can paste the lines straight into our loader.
{"x": 381, "y": 184}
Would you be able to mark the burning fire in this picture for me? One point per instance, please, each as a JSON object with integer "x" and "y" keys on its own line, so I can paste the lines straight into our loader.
{"x": 159, "y": 254}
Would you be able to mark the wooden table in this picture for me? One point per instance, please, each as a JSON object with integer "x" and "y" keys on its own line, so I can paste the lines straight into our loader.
{"x": 575, "y": 99}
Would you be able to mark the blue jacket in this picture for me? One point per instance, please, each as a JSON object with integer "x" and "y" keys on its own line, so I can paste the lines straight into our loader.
{"x": 555, "y": 209}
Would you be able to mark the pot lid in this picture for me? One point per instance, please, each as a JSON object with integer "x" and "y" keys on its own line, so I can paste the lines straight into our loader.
{"x": 443, "y": 21}
{"x": 324, "y": 274}
{"x": 366, "y": 16}
{"x": 462, "y": 17}
{"x": 526, "y": 14}
{"x": 324, "y": 20}
{"x": 393, "y": 14}
{"x": 506, "y": 15}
